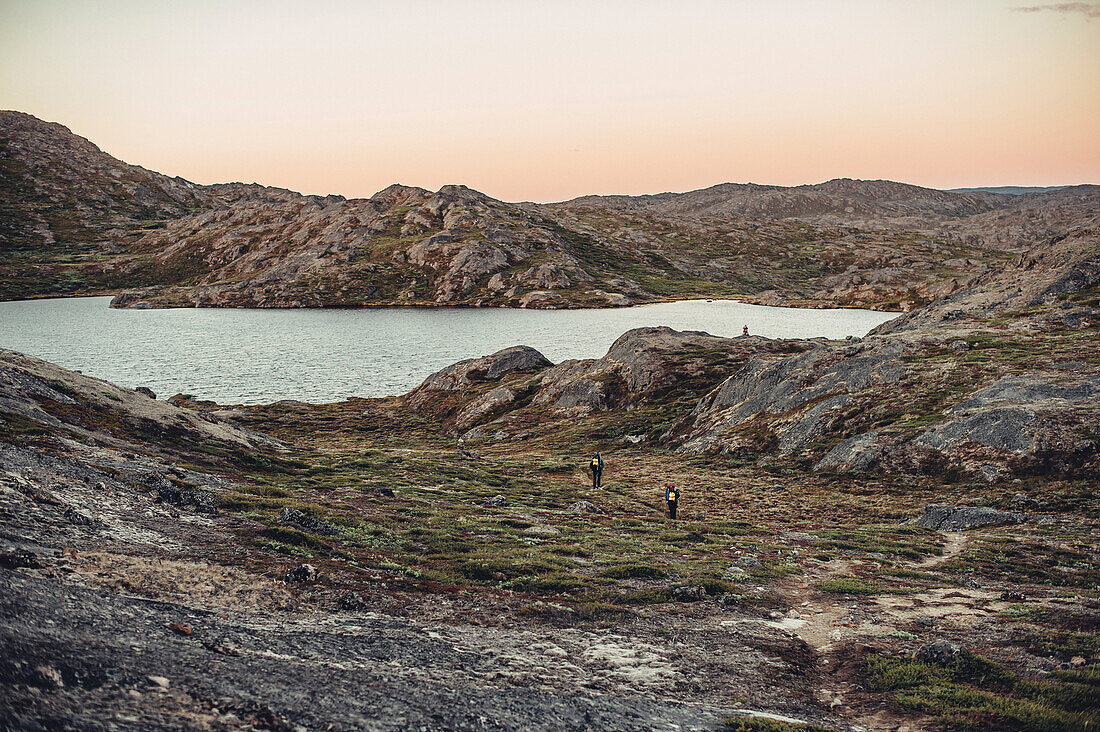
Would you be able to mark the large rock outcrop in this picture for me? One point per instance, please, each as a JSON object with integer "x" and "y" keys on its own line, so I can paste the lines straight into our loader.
{"x": 455, "y": 388}
{"x": 946, "y": 387}
{"x": 639, "y": 362}
{"x": 41, "y": 396}
{"x": 643, "y": 366}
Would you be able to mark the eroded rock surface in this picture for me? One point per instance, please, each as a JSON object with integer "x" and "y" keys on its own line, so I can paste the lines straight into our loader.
{"x": 953, "y": 518}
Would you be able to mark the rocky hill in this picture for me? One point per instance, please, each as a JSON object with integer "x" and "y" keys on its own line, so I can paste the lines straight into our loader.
{"x": 77, "y": 221}
{"x": 956, "y": 385}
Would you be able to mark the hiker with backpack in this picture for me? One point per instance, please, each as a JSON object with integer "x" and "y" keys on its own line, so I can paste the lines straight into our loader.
{"x": 596, "y": 466}
{"x": 672, "y": 498}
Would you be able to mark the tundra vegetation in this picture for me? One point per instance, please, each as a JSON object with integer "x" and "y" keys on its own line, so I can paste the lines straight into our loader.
{"x": 891, "y": 532}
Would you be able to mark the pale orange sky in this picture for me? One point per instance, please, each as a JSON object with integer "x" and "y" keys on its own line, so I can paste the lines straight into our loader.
{"x": 547, "y": 100}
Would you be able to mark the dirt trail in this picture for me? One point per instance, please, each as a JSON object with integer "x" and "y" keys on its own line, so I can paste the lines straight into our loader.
{"x": 953, "y": 547}
{"x": 823, "y": 619}
{"x": 828, "y": 623}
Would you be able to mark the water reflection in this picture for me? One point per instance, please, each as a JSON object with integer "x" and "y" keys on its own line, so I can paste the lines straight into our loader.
{"x": 259, "y": 356}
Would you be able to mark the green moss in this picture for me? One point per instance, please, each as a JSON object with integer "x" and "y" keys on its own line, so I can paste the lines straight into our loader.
{"x": 850, "y": 586}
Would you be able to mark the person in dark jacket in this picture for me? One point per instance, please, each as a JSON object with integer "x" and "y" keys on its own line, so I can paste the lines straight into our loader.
{"x": 596, "y": 466}
{"x": 672, "y": 498}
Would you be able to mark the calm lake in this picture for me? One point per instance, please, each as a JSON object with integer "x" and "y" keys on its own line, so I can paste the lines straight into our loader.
{"x": 261, "y": 356}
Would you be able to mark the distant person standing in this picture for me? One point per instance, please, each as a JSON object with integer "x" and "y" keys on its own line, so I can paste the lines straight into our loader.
{"x": 672, "y": 498}
{"x": 745, "y": 330}
{"x": 596, "y": 466}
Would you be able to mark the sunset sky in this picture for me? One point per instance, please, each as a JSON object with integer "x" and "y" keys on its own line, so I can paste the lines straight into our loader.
{"x": 548, "y": 100}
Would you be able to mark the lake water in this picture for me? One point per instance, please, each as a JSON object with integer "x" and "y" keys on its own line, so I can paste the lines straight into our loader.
{"x": 258, "y": 356}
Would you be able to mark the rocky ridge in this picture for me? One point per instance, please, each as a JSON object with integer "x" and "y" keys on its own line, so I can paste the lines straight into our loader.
{"x": 77, "y": 221}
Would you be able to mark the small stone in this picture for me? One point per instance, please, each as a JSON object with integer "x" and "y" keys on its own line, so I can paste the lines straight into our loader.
{"x": 794, "y": 614}
{"x": 306, "y": 522}
{"x": 497, "y": 501}
{"x": 689, "y": 593}
{"x": 1077, "y": 661}
{"x": 47, "y": 677}
{"x": 181, "y": 628}
{"x": 541, "y": 531}
{"x": 146, "y": 391}
{"x": 941, "y": 653}
{"x": 302, "y": 573}
{"x": 384, "y": 491}
{"x": 160, "y": 681}
{"x": 583, "y": 507}
{"x": 351, "y": 602}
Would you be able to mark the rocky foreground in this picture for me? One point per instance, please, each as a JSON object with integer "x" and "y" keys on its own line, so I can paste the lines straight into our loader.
{"x": 894, "y": 532}
{"x": 74, "y": 220}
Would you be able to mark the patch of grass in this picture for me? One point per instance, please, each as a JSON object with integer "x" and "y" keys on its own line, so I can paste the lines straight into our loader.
{"x": 1025, "y": 560}
{"x": 851, "y": 586}
{"x": 909, "y": 542}
{"x": 979, "y": 694}
{"x": 1063, "y": 645}
{"x": 280, "y": 547}
{"x": 634, "y": 571}
{"x": 292, "y": 537}
{"x": 14, "y": 425}
{"x": 556, "y": 466}
{"x": 243, "y": 502}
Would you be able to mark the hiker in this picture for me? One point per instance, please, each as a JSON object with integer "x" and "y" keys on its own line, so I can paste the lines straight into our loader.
{"x": 596, "y": 466}
{"x": 463, "y": 451}
{"x": 745, "y": 330}
{"x": 672, "y": 497}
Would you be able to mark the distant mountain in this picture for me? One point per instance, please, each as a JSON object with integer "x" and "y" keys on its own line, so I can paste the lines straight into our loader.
{"x": 74, "y": 220}
{"x": 842, "y": 198}
{"x": 1007, "y": 190}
